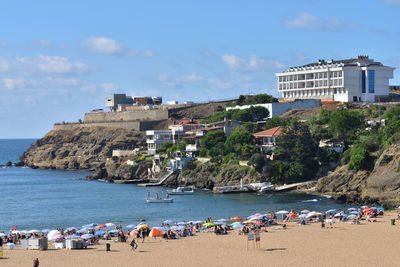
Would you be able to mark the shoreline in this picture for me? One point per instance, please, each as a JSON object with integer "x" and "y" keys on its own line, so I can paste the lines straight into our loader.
{"x": 371, "y": 244}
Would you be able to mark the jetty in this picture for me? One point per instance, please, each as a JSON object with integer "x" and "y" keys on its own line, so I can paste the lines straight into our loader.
{"x": 289, "y": 187}
{"x": 134, "y": 181}
{"x": 256, "y": 187}
{"x": 160, "y": 182}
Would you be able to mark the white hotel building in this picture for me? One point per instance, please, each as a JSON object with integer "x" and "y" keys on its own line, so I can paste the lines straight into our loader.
{"x": 357, "y": 79}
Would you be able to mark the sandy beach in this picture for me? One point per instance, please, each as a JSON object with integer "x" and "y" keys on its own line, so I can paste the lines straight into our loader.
{"x": 366, "y": 244}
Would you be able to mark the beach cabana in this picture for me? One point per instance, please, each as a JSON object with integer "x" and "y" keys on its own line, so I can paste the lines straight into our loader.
{"x": 155, "y": 232}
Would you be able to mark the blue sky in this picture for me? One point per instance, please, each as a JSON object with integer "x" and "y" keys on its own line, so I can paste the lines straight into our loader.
{"x": 60, "y": 60}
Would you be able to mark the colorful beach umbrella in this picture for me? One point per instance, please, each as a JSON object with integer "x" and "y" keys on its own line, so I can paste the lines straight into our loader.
{"x": 142, "y": 226}
{"x": 209, "y": 224}
{"x": 292, "y": 215}
{"x": 236, "y": 218}
{"x": 100, "y": 226}
{"x": 237, "y": 225}
{"x": 87, "y": 236}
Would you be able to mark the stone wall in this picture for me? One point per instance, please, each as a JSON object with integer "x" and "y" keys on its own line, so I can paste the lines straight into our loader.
{"x": 133, "y": 125}
{"x": 140, "y": 115}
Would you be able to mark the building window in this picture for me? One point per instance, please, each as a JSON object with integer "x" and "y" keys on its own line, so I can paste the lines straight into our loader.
{"x": 371, "y": 81}
{"x": 363, "y": 90}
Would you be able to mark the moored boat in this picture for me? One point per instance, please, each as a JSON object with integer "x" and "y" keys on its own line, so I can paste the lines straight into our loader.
{"x": 181, "y": 191}
{"x": 157, "y": 199}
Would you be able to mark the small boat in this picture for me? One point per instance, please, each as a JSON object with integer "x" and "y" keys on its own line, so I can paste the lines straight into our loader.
{"x": 267, "y": 187}
{"x": 157, "y": 199}
{"x": 181, "y": 191}
{"x": 160, "y": 200}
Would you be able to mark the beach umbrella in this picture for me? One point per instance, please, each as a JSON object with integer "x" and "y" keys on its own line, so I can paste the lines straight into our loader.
{"x": 237, "y": 225}
{"x": 292, "y": 215}
{"x": 330, "y": 211}
{"x": 34, "y": 231}
{"x": 155, "y": 232}
{"x": 381, "y": 208}
{"x": 305, "y": 211}
{"x": 351, "y": 209}
{"x": 247, "y": 222}
{"x": 198, "y": 222}
{"x": 367, "y": 209}
{"x": 209, "y": 224}
{"x": 338, "y": 214}
{"x": 354, "y": 212}
{"x": 100, "y": 232}
{"x": 110, "y": 225}
{"x": 221, "y": 220}
{"x": 364, "y": 207}
{"x": 131, "y": 226}
{"x": 87, "y": 236}
{"x": 398, "y": 207}
{"x": 182, "y": 223}
{"x": 312, "y": 214}
{"x": 52, "y": 234}
{"x": 58, "y": 238}
{"x": 219, "y": 223}
{"x": 115, "y": 231}
{"x": 257, "y": 222}
{"x": 24, "y": 232}
{"x": 88, "y": 226}
{"x": 169, "y": 222}
{"x": 352, "y": 216}
{"x": 142, "y": 226}
{"x": 282, "y": 212}
{"x": 251, "y": 216}
{"x": 45, "y": 231}
{"x": 330, "y": 221}
{"x": 177, "y": 228}
{"x": 100, "y": 226}
{"x": 302, "y": 216}
{"x": 84, "y": 230}
{"x": 161, "y": 228}
{"x": 133, "y": 232}
{"x": 71, "y": 229}
{"x": 236, "y": 218}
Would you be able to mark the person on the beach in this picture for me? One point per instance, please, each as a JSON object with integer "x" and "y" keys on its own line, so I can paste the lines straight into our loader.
{"x": 133, "y": 244}
{"x": 36, "y": 262}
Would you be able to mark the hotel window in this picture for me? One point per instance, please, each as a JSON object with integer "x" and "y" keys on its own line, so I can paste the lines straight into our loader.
{"x": 371, "y": 81}
{"x": 363, "y": 90}
{"x": 325, "y": 74}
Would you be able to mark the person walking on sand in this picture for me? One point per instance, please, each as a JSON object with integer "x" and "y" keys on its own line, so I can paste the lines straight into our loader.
{"x": 133, "y": 244}
{"x": 36, "y": 262}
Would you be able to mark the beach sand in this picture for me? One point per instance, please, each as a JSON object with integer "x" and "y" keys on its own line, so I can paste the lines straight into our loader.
{"x": 367, "y": 244}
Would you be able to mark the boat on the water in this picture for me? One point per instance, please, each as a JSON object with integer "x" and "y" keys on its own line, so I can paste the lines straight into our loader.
{"x": 182, "y": 191}
{"x": 157, "y": 199}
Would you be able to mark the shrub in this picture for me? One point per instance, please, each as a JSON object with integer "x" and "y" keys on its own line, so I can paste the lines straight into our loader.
{"x": 385, "y": 160}
{"x": 190, "y": 165}
{"x": 358, "y": 157}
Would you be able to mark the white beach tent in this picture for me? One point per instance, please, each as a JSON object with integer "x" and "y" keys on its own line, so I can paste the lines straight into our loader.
{"x": 282, "y": 212}
{"x": 52, "y": 234}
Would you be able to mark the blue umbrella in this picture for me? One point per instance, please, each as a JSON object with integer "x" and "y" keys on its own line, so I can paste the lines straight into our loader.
{"x": 237, "y": 225}
{"x": 100, "y": 232}
{"x": 131, "y": 226}
{"x": 330, "y": 211}
{"x": 352, "y": 216}
{"x": 219, "y": 223}
{"x": 114, "y": 231}
{"x": 221, "y": 220}
{"x": 84, "y": 230}
{"x": 164, "y": 228}
{"x": 87, "y": 236}
{"x": 46, "y": 231}
{"x": 73, "y": 237}
{"x": 302, "y": 216}
{"x": 351, "y": 209}
{"x": 177, "y": 227}
{"x": 169, "y": 222}
{"x": 182, "y": 223}
{"x": 354, "y": 212}
{"x": 381, "y": 208}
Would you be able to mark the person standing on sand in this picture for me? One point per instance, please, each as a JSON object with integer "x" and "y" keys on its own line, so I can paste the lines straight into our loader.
{"x": 133, "y": 244}
{"x": 36, "y": 262}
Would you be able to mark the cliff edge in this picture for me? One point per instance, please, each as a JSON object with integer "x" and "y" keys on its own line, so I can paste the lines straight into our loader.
{"x": 381, "y": 185}
{"x": 79, "y": 147}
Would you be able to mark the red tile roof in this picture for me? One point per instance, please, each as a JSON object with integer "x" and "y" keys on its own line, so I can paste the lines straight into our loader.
{"x": 193, "y": 136}
{"x": 277, "y": 131}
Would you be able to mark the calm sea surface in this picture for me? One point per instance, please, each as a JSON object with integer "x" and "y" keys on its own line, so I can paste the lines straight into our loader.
{"x": 38, "y": 199}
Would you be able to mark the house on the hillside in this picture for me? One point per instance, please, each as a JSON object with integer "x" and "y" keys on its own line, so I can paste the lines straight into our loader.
{"x": 265, "y": 140}
{"x": 333, "y": 145}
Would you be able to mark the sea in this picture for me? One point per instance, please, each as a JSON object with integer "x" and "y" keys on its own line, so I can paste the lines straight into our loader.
{"x": 49, "y": 199}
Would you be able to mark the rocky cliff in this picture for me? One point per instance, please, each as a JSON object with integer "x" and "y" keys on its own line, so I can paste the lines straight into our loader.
{"x": 208, "y": 175}
{"x": 79, "y": 148}
{"x": 381, "y": 185}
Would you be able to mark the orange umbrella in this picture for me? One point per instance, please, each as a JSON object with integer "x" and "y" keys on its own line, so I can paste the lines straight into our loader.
{"x": 236, "y": 218}
{"x": 292, "y": 215}
{"x": 155, "y": 232}
{"x": 100, "y": 226}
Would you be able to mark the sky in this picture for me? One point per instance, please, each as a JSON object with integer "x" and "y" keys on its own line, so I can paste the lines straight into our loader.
{"x": 61, "y": 59}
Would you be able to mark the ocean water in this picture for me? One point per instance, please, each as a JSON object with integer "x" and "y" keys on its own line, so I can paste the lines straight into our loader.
{"x": 38, "y": 199}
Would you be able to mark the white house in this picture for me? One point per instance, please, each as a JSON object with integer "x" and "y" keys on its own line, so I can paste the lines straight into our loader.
{"x": 359, "y": 79}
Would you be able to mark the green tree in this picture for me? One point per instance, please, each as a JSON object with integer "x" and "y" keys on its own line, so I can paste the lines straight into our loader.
{"x": 344, "y": 123}
{"x": 358, "y": 157}
{"x": 211, "y": 139}
{"x": 257, "y": 161}
{"x": 277, "y": 121}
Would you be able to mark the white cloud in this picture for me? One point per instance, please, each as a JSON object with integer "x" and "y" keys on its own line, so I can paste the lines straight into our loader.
{"x": 43, "y": 64}
{"x": 12, "y": 83}
{"x": 307, "y": 21}
{"x": 108, "y": 87}
{"x": 252, "y": 63}
{"x": 104, "y": 45}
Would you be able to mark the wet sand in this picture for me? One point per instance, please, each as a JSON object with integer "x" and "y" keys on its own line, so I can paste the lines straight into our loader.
{"x": 366, "y": 244}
